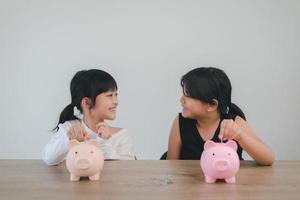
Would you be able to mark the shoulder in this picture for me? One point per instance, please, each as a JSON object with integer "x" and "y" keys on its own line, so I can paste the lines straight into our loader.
{"x": 121, "y": 136}
{"x": 175, "y": 124}
{"x": 176, "y": 119}
{"x": 116, "y": 130}
{"x": 175, "y": 130}
{"x": 120, "y": 132}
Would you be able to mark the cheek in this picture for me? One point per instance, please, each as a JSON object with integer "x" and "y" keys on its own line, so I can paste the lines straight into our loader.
{"x": 191, "y": 107}
{"x": 98, "y": 110}
{"x": 101, "y": 104}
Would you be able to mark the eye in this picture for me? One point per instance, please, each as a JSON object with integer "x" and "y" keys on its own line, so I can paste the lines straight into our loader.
{"x": 92, "y": 152}
{"x": 213, "y": 154}
{"x": 76, "y": 152}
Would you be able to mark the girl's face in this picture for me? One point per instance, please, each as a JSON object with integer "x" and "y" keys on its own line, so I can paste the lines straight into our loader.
{"x": 193, "y": 108}
{"x": 105, "y": 106}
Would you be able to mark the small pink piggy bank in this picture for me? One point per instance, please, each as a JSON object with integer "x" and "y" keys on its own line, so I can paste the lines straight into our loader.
{"x": 220, "y": 161}
{"x": 84, "y": 159}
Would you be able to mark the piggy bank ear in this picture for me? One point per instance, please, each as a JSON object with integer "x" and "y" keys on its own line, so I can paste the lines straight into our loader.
{"x": 95, "y": 143}
{"x": 208, "y": 144}
{"x": 232, "y": 144}
{"x": 73, "y": 143}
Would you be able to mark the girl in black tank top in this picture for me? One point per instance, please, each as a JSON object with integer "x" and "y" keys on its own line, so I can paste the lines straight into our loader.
{"x": 206, "y": 100}
{"x": 192, "y": 143}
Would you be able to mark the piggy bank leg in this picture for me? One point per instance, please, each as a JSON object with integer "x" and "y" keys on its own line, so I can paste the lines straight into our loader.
{"x": 230, "y": 180}
{"x": 208, "y": 179}
{"x": 74, "y": 178}
{"x": 94, "y": 177}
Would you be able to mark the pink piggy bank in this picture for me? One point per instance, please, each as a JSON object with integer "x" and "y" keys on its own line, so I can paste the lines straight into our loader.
{"x": 84, "y": 159}
{"x": 220, "y": 161}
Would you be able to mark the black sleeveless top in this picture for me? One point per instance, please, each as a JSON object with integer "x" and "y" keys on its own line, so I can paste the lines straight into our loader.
{"x": 192, "y": 144}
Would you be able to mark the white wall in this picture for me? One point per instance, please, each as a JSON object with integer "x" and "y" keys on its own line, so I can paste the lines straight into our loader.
{"x": 147, "y": 46}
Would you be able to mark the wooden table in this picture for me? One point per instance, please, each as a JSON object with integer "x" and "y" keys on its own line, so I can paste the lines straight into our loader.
{"x": 32, "y": 179}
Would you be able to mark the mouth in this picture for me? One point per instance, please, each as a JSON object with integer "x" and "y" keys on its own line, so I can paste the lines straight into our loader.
{"x": 113, "y": 109}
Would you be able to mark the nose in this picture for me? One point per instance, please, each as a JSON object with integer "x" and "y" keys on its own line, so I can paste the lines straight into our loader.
{"x": 83, "y": 163}
{"x": 182, "y": 99}
{"x": 116, "y": 101}
{"x": 221, "y": 165}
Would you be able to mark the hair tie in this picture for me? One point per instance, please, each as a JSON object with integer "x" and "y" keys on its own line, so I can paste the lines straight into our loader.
{"x": 227, "y": 110}
{"x": 77, "y": 112}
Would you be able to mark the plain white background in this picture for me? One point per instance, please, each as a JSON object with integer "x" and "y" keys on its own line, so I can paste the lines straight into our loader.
{"x": 147, "y": 46}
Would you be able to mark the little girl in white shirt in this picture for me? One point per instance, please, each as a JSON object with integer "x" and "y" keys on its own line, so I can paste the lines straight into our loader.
{"x": 94, "y": 94}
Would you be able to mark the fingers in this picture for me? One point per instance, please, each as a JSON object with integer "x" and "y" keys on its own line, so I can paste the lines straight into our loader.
{"x": 71, "y": 133}
{"x": 103, "y": 130}
{"x": 81, "y": 136}
{"x": 229, "y": 130}
{"x": 226, "y": 129}
{"x": 234, "y": 131}
{"x": 102, "y": 125}
{"x": 77, "y": 132}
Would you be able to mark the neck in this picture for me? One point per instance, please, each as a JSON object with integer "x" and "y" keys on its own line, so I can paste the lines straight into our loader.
{"x": 91, "y": 123}
{"x": 209, "y": 121}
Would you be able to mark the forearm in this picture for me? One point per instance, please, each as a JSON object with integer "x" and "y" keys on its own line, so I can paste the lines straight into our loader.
{"x": 56, "y": 150}
{"x": 127, "y": 156}
{"x": 121, "y": 152}
{"x": 126, "y": 152}
{"x": 259, "y": 151}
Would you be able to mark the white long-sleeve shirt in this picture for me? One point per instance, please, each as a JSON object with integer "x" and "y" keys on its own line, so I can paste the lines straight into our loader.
{"x": 118, "y": 146}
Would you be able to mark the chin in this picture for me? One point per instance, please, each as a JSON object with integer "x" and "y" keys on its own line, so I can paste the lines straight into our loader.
{"x": 111, "y": 117}
{"x": 186, "y": 115}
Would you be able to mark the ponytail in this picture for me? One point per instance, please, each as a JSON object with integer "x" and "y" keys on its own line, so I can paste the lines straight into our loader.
{"x": 66, "y": 115}
{"x": 235, "y": 110}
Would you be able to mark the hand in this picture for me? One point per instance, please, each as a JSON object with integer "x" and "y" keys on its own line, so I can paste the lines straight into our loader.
{"x": 103, "y": 130}
{"x": 77, "y": 132}
{"x": 229, "y": 130}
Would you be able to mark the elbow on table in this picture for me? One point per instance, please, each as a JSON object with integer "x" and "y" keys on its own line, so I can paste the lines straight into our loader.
{"x": 50, "y": 160}
{"x": 267, "y": 161}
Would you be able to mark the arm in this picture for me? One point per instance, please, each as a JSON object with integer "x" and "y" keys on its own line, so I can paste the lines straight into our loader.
{"x": 246, "y": 137}
{"x": 255, "y": 147}
{"x": 57, "y": 148}
{"x": 174, "y": 141}
{"x": 125, "y": 150}
{"x": 119, "y": 146}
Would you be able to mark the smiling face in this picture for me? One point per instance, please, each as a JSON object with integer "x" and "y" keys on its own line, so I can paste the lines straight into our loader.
{"x": 105, "y": 106}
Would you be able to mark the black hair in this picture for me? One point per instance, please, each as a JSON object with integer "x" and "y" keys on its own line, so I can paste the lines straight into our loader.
{"x": 86, "y": 83}
{"x": 207, "y": 84}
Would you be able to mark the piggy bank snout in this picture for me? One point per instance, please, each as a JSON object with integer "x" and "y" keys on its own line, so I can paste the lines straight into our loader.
{"x": 83, "y": 163}
{"x": 221, "y": 164}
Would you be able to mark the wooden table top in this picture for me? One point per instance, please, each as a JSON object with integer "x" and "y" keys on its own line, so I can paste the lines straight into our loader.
{"x": 147, "y": 179}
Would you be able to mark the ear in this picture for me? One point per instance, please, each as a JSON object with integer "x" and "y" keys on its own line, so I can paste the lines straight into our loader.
{"x": 208, "y": 144}
{"x": 85, "y": 102}
{"x": 95, "y": 143}
{"x": 73, "y": 143}
{"x": 232, "y": 144}
{"x": 213, "y": 105}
